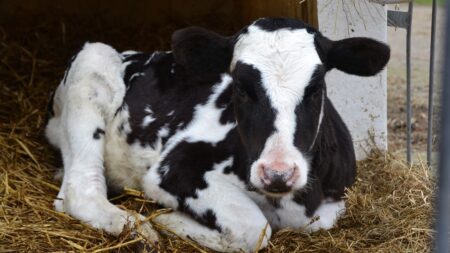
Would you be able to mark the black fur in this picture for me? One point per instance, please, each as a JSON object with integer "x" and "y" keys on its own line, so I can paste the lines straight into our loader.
{"x": 203, "y": 54}
{"x": 252, "y": 109}
{"x": 308, "y": 112}
{"x": 187, "y": 164}
{"x": 164, "y": 92}
{"x": 98, "y": 133}
{"x": 208, "y": 218}
{"x": 358, "y": 56}
{"x": 50, "y": 111}
{"x": 334, "y": 155}
{"x": 69, "y": 64}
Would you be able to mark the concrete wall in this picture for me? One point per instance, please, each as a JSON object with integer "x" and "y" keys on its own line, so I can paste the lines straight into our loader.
{"x": 361, "y": 101}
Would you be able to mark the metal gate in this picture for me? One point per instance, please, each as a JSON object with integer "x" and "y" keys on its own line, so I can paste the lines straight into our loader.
{"x": 403, "y": 19}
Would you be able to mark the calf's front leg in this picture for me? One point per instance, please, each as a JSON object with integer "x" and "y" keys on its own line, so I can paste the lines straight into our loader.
{"x": 221, "y": 216}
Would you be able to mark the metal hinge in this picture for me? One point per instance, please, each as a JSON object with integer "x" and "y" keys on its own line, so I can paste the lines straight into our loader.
{"x": 398, "y": 18}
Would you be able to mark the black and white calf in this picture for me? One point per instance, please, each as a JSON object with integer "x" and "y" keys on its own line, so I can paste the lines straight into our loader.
{"x": 236, "y": 134}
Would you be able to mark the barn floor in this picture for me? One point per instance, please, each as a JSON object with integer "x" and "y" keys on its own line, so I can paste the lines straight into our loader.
{"x": 389, "y": 208}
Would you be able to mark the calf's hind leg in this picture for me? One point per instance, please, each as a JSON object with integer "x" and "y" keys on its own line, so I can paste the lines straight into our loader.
{"x": 92, "y": 90}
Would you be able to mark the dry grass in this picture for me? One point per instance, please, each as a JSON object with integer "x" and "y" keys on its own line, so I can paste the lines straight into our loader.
{"x": 388, "y": 210}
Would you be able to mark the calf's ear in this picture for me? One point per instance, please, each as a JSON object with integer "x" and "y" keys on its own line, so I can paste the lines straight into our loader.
{"x": 201, "y": 52}
{"x": 357, "y": 56}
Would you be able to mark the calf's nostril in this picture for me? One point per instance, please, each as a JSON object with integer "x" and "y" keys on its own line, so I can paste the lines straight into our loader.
{"x": 265, "y": 175}
{"x": 290, "y": 173}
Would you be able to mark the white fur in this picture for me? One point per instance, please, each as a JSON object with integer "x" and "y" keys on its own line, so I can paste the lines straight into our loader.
{"x": 91, "y": 94}
{"x": 127, "y": 164}
{"x": 148, "y": 110}
{"x": 293, "y": 215}
{"x": 328, "y": 213}
{"x": 126, "y": 64}
{"x": 135, "y": 75}
{"x": 147, "y": 120}
{"x": 240, "y": 219}
{"x": 286, "y": 60}
{"x": 150, "y": 58}
{"x": 164, "y": 131}
{"x": 205, "y": 125}
{"x": 150, "y": 185}
{"x": 129, "y": 52}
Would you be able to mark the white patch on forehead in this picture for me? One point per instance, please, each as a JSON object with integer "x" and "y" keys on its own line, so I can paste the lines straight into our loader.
{"x": 286, "y": 60}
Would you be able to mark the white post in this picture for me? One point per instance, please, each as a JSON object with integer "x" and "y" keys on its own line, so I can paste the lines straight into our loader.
{"x": 361, "y": 101}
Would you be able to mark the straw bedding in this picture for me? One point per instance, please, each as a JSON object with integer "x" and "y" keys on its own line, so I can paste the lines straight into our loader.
{"x": 388, "y": 210}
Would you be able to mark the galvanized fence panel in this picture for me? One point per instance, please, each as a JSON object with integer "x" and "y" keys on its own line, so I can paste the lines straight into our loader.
{"x": 404, "y": 20}
{"x": 431, "y": 85}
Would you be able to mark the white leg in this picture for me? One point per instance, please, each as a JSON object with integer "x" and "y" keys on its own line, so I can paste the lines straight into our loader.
{"x": 187, "y": 228}
{"x": 293, "y": 215}
{"x": 221, "y": 217}
{"x": 328, "y": 213}
{"x": 238, "y": 231}
{"x": 86, "y": 101}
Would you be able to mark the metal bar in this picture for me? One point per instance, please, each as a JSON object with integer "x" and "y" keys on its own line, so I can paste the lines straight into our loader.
{"x": 431, "y": 85}
{"x": 442, "y": 224}
{"x": 408, "y": 84}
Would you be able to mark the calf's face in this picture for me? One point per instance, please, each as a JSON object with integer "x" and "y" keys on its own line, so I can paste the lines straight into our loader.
{"x": 278, "y": 68}
{"x": 271, "y": 71}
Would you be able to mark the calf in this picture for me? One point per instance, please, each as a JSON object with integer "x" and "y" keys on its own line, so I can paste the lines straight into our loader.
{"x": 235, "y": 134}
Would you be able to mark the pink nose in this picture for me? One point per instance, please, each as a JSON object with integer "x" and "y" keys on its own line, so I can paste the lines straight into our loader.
{"x": 278, "y": 177}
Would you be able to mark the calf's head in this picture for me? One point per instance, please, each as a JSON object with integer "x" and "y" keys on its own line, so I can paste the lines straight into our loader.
{"x": 278, "y": 67}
